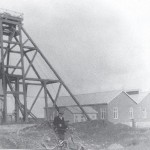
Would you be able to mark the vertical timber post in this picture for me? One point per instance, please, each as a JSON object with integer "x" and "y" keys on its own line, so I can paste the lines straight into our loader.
{"x": 16, "y": 103}
{"x": 3, "y": 74}
{"x": 46, "y": 102}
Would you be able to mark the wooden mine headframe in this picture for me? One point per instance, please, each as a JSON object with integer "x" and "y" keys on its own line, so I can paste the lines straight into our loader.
{"x": 16, "y": 46}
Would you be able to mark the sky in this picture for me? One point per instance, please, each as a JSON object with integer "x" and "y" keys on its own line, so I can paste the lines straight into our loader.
{"x": 94, "y": 45}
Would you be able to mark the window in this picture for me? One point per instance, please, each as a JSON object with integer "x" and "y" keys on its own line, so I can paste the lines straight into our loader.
{"x": 144, "y": 113}
{"x": 103, "y": 113}
{"x": 115, "y": 112}
{"x": 131, "y": 113}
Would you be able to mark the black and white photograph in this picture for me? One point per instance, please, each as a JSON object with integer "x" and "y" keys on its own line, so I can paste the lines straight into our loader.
{"x": 75, "y": 74}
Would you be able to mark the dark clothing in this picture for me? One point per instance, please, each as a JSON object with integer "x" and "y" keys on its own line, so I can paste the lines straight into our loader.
{"x": 59, "y": 127}
{"x": 59, "y": 123}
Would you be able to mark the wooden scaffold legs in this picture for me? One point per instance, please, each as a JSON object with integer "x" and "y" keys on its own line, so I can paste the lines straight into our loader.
{"x": 18, "y": 55}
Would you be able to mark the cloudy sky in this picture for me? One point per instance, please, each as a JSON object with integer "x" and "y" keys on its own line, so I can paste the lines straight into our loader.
{"x": 94, "y": 45}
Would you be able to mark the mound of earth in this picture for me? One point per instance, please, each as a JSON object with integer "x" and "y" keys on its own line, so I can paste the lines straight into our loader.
{"x": 94, "y": 135}
{"x": 105, "y": 133}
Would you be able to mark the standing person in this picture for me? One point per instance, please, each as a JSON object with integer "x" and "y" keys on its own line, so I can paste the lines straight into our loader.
{"x": 59, "y": 125}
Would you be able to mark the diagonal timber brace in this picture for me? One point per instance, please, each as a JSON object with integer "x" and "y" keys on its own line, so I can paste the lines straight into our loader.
{"x": 14, "y": 40}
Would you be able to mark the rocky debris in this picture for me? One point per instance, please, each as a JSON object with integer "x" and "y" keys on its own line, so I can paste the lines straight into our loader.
{"x": 104, "y": 133}
{"x": 94, "y": 135}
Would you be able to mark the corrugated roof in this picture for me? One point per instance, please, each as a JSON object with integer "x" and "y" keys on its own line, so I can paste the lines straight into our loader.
{"x": 90, "y": 98}
{"x": 139, "y": 97}
{"x": 77, "y": 110}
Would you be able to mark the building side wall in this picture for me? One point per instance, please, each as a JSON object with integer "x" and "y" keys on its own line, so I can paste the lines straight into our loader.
{"x": 93, "y": 116}
{"x": 68, "y": 116}
{"x": 143, "y": 111}
{"x": 51, "y": 113}
{"x": 123, "y": 103}
{"x": 98, "y": 108}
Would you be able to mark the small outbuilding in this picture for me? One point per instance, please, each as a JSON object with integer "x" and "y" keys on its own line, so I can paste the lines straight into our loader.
{"x": 74, "y": 114}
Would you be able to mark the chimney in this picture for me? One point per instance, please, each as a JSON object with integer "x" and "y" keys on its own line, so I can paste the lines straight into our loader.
{"x": 133, "y": 92}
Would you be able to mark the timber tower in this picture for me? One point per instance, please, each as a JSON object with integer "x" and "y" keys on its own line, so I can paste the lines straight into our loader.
{"x": 19, "y": 55}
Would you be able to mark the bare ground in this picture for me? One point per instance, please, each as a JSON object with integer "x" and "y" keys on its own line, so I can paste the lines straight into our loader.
{"x": 93, "y": 135}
